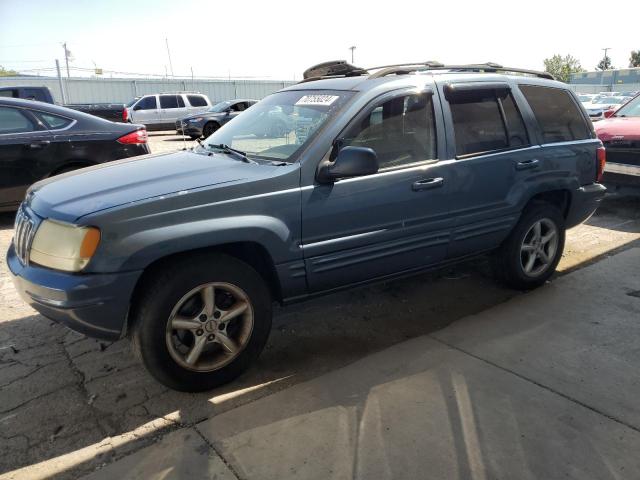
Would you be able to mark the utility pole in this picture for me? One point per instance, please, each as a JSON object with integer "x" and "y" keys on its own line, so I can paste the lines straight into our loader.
{"x": 605, "y": 55}
{"x": 352, "y": 49}
{"x": 169, "y": 55}
{"x": 66, "y": 57}
{"x": 64, "y": 99}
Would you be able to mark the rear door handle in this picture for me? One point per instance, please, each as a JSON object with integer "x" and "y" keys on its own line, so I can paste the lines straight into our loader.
{"x": 527, "y": 164}
{"x": 39, "y": 144}
{"x": 427, "y": 184}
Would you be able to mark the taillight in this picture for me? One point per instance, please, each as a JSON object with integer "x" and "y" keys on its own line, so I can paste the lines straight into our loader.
{"x": 601, "y": 156}
{"x": 125, "y": 115}
{"x": 139, "y": 136}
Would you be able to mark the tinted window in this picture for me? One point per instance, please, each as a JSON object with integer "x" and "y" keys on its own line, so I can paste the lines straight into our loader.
{"x": 13, "y": 120}
{"x": 479, "y": 124}
{"x": 197, "y": 101}
{"x": 8, "y": 93}
{"x": 239, "y": 107}
{"x": 168, "y": 101}
{"x": 51, "y": 121}
{"x": 147, "y": 103}
{"x": 400, "y": 131}
{"x": 557, "y": 114}
{"x": 180, "y": 101}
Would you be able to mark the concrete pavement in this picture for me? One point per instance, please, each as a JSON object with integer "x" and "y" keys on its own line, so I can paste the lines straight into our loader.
{"x": 544, "y": 385}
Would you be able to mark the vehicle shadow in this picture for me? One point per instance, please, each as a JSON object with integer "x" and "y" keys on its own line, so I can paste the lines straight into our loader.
{"x": 63, "y": 392}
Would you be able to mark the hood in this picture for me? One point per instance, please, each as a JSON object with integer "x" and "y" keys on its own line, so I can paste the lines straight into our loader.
{"x": 628, "y": 127}
{"x": 75, "y": 194}
{"x": 600, "y": 106}
{"x": 205, "y": 115}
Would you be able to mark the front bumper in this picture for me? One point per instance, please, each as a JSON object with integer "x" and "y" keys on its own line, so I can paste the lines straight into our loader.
{"x": 93, "y": 304}
{"x": 190, "y": 129}
{"x": 584, "y": 202}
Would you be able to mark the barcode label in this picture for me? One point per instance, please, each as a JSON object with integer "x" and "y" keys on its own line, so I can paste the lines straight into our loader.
{"x": 320, "y": 100}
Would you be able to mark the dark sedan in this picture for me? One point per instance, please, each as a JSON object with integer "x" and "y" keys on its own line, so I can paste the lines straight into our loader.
{"x": 204, "y": 124}
{"x": 38, "y": 140}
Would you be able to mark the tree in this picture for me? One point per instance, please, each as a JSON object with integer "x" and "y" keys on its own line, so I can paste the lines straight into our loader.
{"x": 7, "y": 73}
{"x": 562, "y": 67}
{"x": 634, "y": 59}
{"x": 605, "y": 64}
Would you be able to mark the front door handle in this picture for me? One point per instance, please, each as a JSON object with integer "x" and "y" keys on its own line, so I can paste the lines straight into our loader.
{"x": 427, "y": 184}
{"x": 39, "y": 144}
{"x": 527, "y": 164}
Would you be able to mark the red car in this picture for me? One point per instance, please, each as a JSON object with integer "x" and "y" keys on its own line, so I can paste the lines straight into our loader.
{"x": 620, "y": 134}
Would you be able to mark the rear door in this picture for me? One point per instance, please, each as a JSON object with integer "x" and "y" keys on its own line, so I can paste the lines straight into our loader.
{"x": 495, "y": 157}
{"x": 145, "y": 111}
{"x": 396, "y": 220}
{"x": 172, "y": 108}
{"x": 25, "y": 153}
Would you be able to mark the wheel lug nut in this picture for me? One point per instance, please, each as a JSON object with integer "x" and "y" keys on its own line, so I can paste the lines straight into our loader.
{"x": 211, "y": 337}
{"x": 199, "y": 332}
{"x": 216, "y": 314}
{"x": 203, "y": 317}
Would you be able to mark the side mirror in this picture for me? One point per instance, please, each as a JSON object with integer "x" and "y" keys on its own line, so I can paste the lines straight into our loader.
{"x": 350, "y": 162}
{"x": 609, "y": 113}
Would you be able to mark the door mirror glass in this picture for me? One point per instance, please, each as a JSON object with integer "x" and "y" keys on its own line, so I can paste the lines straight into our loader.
{"x": 350, "y": 162}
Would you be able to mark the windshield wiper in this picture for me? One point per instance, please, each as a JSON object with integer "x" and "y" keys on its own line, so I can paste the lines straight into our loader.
{"x": 240, "y": 155}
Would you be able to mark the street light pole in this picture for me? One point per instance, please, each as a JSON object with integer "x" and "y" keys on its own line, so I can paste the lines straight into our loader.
{"x": 352, "y": 49}
{"x": 605, "y": 56}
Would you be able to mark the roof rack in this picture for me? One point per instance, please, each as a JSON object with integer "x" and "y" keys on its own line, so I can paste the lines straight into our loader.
{"x": 340, "y": 68}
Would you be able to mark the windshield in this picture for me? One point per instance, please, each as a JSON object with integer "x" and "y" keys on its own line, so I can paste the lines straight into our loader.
{"x": 132, "y": 102}
{"x": 277, "y": 127}
{"x": 220, "y": 107}
{"x": 584, "y": 98}
{"x": 630, "y": 109}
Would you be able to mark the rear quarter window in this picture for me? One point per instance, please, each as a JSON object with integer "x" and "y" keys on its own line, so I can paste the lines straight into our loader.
{"x": 197, "y": 100}
{"x": 558, "y": 116}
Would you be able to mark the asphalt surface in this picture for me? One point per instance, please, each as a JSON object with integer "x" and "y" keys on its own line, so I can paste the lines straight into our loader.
{"x": 69, "y": 404}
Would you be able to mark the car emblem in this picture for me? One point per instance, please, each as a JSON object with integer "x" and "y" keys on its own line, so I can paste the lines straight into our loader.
{"x": 617, "y": 138}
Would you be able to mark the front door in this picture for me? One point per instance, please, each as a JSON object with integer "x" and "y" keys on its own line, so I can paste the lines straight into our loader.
{"x": 396, "y": 220}
{"x": 146, "y": 111}
{"x": 25, "y": 154}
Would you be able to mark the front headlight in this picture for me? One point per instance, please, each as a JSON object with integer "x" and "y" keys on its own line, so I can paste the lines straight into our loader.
{"x": 194, "y": 120}
{"x": 64, "y": 247}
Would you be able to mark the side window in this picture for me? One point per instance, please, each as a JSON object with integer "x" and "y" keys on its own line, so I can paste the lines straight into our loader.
{"x": 147, "y": 103}
{"x": 401, "y": 131}
{"x": 485, "y": 121}
{"x": 168, "y": 101}
{"x": 197, "y": 100}
{"x": 180, "y": 101}
{"x": 53, "y": 122}
{"x": 13, "y": 120}
{"x": 557, "y": 114}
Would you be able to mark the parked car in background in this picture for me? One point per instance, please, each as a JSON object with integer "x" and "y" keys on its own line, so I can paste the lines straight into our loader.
{"x": 620, "y": 134}
{"x": 586, "y": 97}
{"x": 39, "y": 140}
{"x": 108, "y": 111}
{"x": 161, "y": 111}
{"x": 597, "y": 108}
{"x": 393, "y": 173}
{"x": 205, "y": 123}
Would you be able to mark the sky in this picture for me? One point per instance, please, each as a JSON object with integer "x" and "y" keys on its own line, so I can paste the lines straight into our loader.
{"x": 280, "y": 39}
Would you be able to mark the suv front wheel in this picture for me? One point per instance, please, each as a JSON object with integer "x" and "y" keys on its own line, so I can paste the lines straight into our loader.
{"x": 201, "y": 321}
{"x": 530, "y": 254}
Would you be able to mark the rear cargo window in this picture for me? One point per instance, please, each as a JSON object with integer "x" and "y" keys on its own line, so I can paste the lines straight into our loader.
{"x": 557, "y": 114}
{"x": 479, "y": 123}
{"x": 197, "y": 101}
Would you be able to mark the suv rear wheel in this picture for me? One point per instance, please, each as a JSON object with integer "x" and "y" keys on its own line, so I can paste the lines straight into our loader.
{"x": 201, "y": 322}
{"x": 529, "y": 256}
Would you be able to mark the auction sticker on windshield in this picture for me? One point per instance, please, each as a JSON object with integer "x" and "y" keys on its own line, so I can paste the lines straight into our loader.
{"x": 320, "y": 100}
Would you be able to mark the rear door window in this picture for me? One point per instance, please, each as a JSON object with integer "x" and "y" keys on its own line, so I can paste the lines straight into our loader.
{"x": 13, "y": 120}
{"x": 147, "y": 103}
{"x": 197, "y": 100}
{"x": 557, "y": 114}
{"x": 486, "y": 121}
{"x": 168, "y": 101}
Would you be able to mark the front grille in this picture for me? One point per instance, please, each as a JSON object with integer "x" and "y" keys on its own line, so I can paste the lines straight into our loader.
{"x": 25, "y": 230}
{"x": 623, "y": 151}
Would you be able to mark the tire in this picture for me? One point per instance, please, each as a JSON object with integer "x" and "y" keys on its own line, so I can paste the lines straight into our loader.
{"x": 165, "y": 351}
{"x": 209, "y": 128}
{"x": 512, "y": 263}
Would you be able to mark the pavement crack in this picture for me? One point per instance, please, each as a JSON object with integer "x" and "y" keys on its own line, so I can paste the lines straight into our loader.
{"x": 538, "y": 384}
{"x": 213, "y": 448}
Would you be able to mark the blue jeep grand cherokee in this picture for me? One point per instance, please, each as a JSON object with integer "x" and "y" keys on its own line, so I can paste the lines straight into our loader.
{"x": 384, "y": 173}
